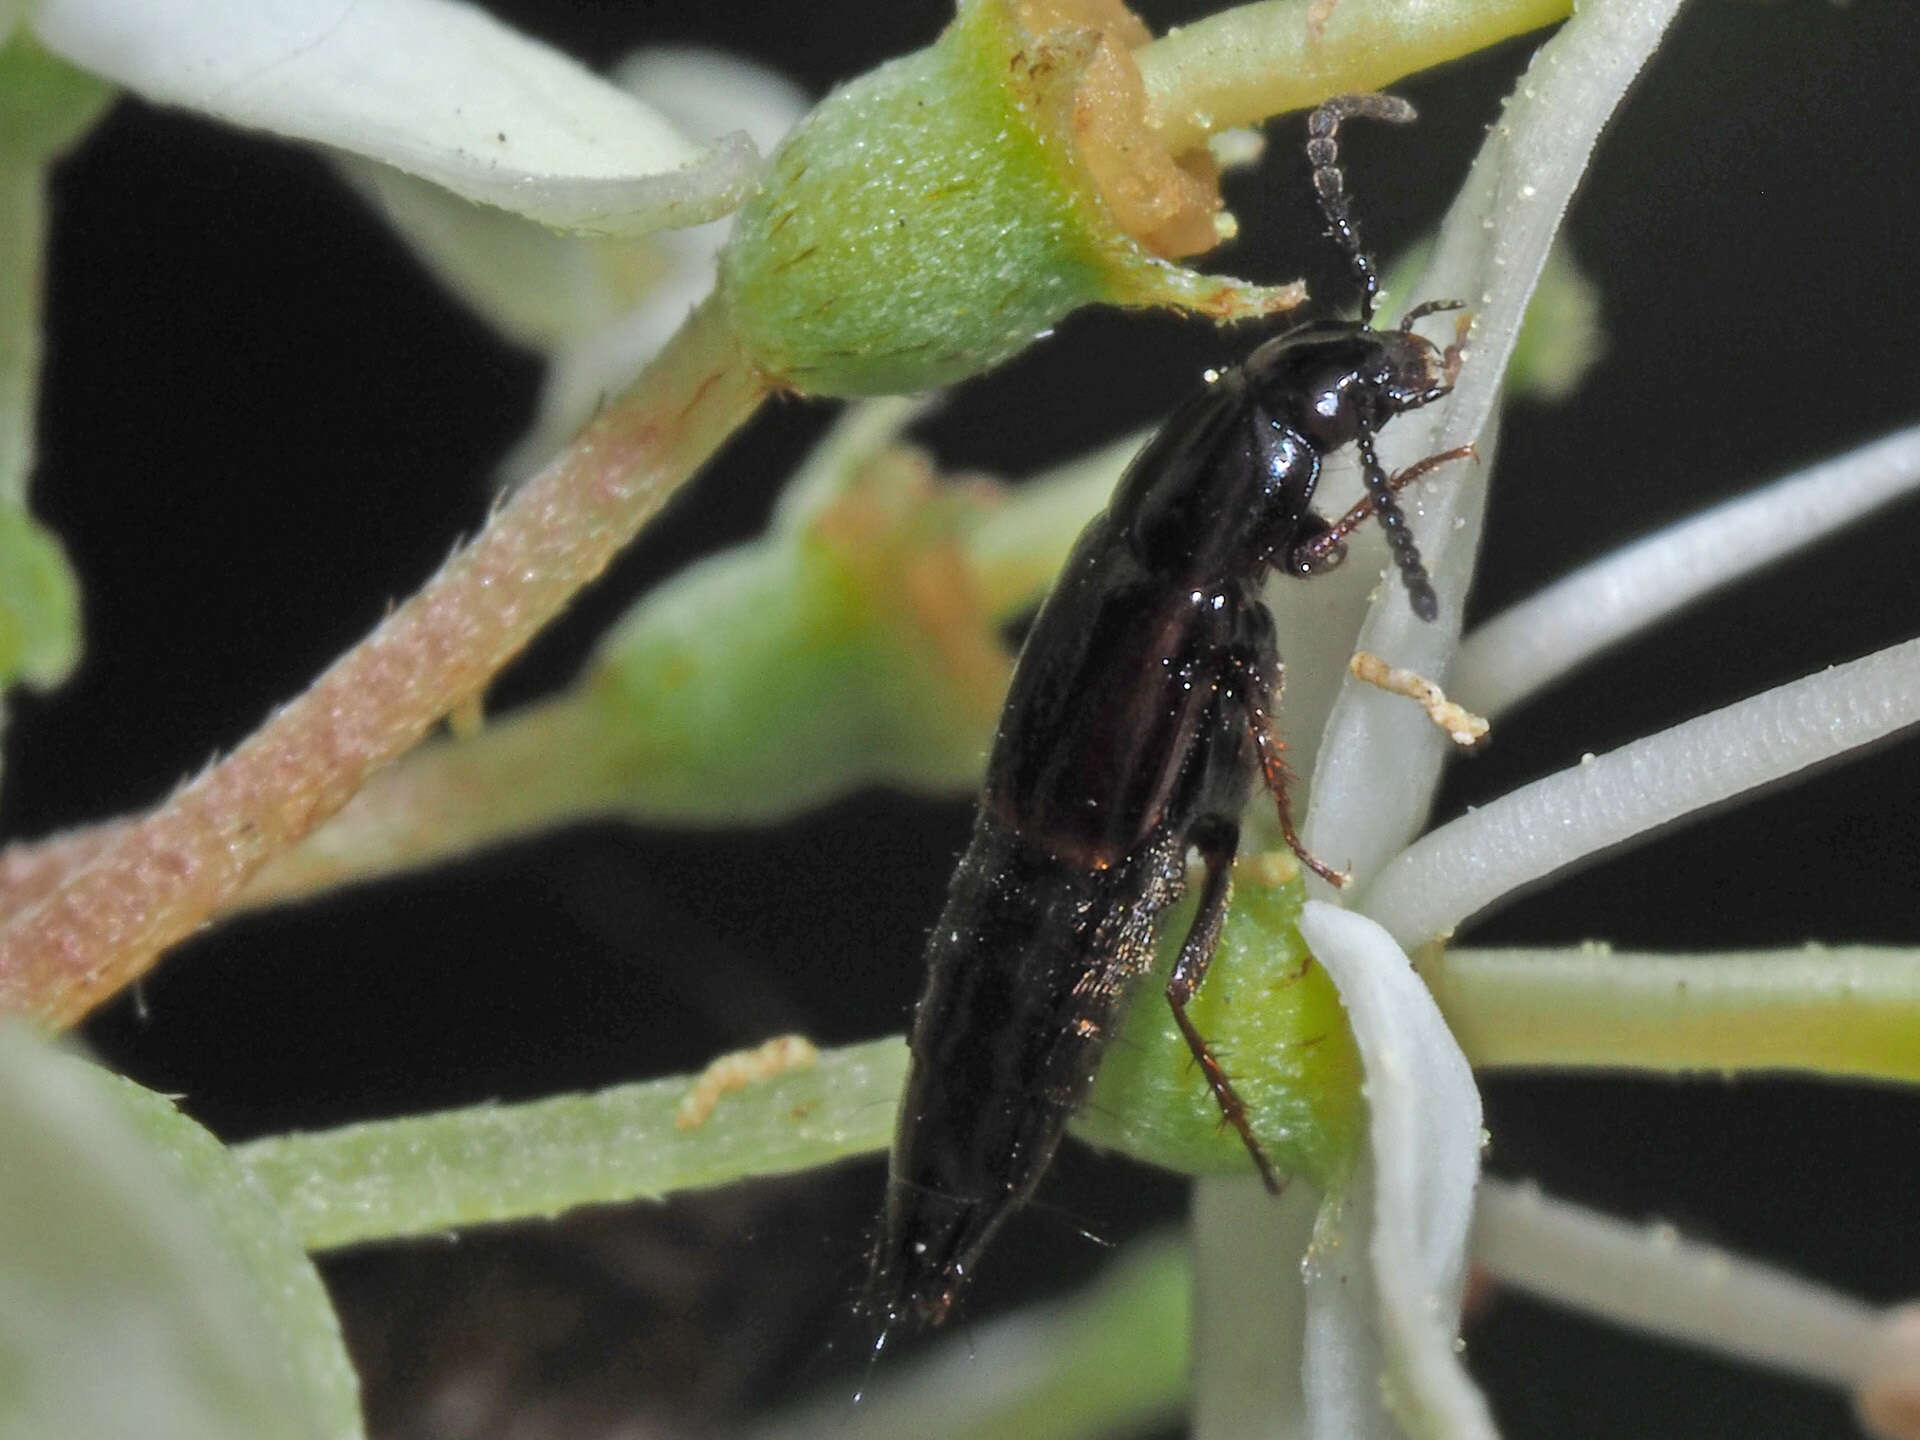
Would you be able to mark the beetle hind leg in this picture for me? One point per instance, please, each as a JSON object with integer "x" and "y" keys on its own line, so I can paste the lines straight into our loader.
{"x": 1217, "y": 841}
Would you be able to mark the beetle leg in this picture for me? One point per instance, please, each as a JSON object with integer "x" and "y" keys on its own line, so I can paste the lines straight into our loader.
{"x": 1316, "y": 553}
{"x": 1217, "y": 840}
{"x": 1426, "y": 308}
{"x": 1259, "y": 694}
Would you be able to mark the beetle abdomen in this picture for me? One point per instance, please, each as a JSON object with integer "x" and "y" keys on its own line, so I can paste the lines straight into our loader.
{"x": 1027, "y": 970}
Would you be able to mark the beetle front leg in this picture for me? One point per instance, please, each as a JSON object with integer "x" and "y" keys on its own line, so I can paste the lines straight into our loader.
{"x": 1217, "y": 840}
{"x": 1326, "y": 546}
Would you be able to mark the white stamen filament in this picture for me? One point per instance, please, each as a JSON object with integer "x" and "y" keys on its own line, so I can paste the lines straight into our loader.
{"x": 1650, "y": 1278}
{"x": 1535, "y": 643}
{"x": 1464, "y": 866}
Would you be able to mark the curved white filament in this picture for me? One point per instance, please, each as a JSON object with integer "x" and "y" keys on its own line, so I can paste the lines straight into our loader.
{"x": 1464, "y": 866}
{"x": 1531, "y": 645}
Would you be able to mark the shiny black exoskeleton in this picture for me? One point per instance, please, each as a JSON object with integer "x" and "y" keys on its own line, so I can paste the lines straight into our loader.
{"x": 1139, "y": 717}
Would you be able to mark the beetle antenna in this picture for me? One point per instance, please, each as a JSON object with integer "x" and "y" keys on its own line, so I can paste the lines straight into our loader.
{"x": 1393, "y": 521}
{"x": 1323, "y": 154}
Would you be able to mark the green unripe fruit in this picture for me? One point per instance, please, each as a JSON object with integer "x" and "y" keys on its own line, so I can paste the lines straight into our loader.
{"x": 936, "y": 215}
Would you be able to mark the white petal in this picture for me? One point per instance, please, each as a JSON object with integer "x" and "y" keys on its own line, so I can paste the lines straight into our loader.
{"x": 1342, "y": 1361}
{"x": 600, "y": 307}
{"x": 432, "y": 87}
{"x": 1368, "y": 801}
{"x": 1549, "y": 634}
{"x": 1466, "y": 865}
{"x": 146, "y": 1289}
{"x": 1379, "y": 757}
{"x": 535, "y": 285}
{"x": 1423, "y": 1155}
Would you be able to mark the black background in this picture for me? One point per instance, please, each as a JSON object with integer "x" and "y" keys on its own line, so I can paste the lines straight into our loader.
{"x": 262, "y": 423}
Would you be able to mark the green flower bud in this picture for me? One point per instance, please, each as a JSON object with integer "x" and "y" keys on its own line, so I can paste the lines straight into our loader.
{"x": 848, "y": 647}
{"x": 936, "y": 215}
{"x": 1274, "y": 1021}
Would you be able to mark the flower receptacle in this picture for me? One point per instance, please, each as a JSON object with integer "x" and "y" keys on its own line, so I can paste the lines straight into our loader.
{"x": 931, "y": 218}
{"x": 1274, "y": 1021}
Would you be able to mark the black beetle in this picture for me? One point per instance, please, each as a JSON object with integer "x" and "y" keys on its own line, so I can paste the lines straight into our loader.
{"x": 1139, "y": 716}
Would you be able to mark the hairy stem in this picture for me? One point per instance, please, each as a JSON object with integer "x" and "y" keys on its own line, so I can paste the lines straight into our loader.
{"x": 429, "y": 1173}
{"x": 167, "y": 873}
{"x": 571, "y": 758}
{"x": 536, "y": 768}
{"x": 31, "y": 870}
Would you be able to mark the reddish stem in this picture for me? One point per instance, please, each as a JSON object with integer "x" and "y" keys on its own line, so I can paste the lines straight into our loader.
{"x": 160, "y": 877}
{"x": 32, "y": 870}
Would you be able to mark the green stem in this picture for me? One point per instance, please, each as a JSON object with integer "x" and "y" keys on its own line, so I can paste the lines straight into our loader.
{"x": 1241, "y": 66}
{"x": 1852, "y": 1011}
{"x": 490, "y": 1163}
{"x": 45, "y": 107}
{"x": 23, "y": 214}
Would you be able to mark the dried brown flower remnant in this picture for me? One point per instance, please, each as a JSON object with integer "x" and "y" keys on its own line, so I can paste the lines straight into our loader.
{"x": 1165, "y": 201}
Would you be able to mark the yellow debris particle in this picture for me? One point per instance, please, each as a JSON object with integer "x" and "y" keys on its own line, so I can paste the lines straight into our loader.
{"x": 1463, "y": 727}
{"x": 739, "y": 1070}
